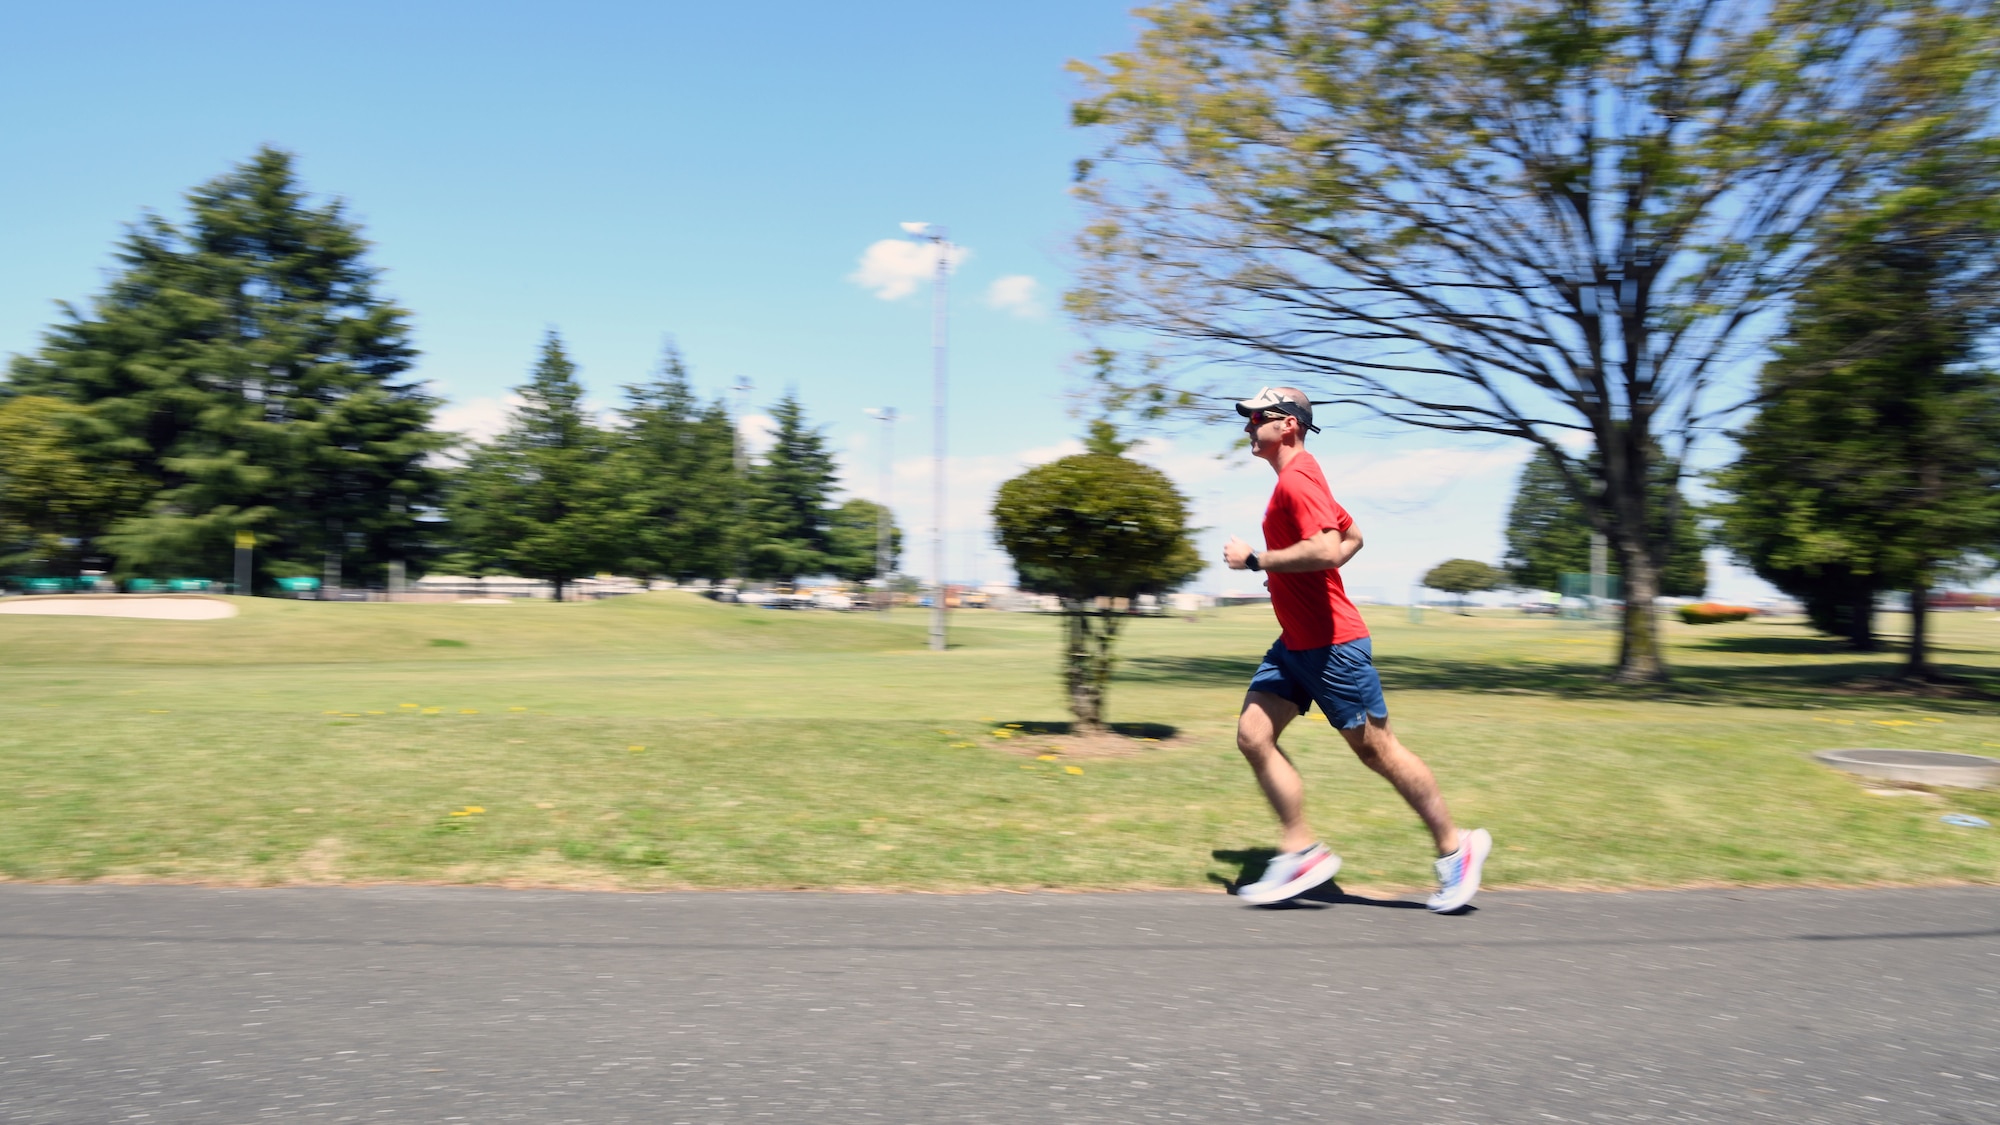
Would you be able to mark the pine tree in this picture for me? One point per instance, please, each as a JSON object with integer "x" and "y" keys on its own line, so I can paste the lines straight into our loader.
{"x": 247, "y": 376}
{"x": 677, "y": 464}
{"x": 789, "y": 494}
{"x": 1874, "y": 473}
{"x": 541, "y": 499}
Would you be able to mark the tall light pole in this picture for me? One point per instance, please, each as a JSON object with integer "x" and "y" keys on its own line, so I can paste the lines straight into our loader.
{"x": 887, "y": 416}
{"x": 940, "y": 240}
{"x": 742, "y": 451}
{"x": 742, "y": 388}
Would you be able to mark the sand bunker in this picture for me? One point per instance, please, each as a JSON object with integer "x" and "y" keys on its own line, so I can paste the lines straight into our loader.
{"x": 156, "y": 607}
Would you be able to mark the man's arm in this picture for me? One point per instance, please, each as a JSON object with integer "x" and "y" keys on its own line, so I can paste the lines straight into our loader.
{"x": 1329, "y": 550}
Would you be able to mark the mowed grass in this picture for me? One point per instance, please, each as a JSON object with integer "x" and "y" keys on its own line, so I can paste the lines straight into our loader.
{"x": 665, "y": 741}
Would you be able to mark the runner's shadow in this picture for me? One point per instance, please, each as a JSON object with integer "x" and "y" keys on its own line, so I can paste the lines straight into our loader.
{"x": 1250, "y": 864}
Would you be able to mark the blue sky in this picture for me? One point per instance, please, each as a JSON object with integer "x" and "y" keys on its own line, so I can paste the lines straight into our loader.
{"x": 626, "y": 171}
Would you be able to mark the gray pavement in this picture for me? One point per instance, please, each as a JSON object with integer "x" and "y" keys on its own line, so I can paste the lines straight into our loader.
{"x": 171, "y": 1004}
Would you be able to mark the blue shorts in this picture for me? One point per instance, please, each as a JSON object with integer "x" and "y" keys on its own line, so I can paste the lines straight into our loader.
{"x": 1340, "y": 678}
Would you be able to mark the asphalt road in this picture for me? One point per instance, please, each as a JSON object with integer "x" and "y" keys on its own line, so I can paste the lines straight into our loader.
{"x": 169, "y": 1004}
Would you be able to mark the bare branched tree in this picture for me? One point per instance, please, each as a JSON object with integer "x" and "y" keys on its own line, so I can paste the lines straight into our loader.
{"x": 1562, "y": 221}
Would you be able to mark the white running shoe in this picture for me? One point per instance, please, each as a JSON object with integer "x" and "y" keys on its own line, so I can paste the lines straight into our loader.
{"x": 1291, "y": 874}
{"x": 1458, "y": 873}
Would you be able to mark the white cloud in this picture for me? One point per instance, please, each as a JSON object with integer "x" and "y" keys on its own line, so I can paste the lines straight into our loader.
{"x": 482, "y": 418}
{"x": 1016, "y": 293}
{"x": 1416, "y": 505}
{"x": 757, "y": 432}
{"x": 893, "y": 267}
{"x": 479, "y": 419}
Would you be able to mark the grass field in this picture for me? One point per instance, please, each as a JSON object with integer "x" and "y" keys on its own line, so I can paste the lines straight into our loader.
{"x": 664, "y": 741}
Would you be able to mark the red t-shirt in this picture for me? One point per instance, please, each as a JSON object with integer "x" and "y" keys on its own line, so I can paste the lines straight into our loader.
{"x": 1312, "y": 606}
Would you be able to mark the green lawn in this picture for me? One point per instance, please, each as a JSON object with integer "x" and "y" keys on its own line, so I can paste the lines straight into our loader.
{"x": 664, "y": 741}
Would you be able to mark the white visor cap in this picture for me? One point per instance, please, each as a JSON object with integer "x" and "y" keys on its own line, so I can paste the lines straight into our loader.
{"x": 1268, "y": 399}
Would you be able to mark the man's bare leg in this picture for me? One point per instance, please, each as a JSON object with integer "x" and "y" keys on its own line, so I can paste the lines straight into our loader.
{"x": 1263, "y": 718}
{"x": 1379, "y": 749}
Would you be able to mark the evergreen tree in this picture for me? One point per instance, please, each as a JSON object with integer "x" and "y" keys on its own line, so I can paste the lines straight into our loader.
{"x": 247, "y": 376}
{"x": 541, "y": 500}
{"x": 1874, "y": 463}
{"x": 677, "y": 465}
{"x": 1548, "y": 535}
{"x": 789, "y": 493}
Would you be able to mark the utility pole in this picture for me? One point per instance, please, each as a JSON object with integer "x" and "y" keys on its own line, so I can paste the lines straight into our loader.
{"x": 742, "y": 451}
{"x": 742, "y": 389}
{"x": 887, "y": 416}
{"x": 939, "y": 239}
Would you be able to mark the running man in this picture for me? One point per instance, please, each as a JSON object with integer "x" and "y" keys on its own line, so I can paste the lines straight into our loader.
{"x": 1322, "y": 655}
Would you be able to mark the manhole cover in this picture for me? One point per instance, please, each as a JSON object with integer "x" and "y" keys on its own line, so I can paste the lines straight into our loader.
{"x": 1927, "y": 767}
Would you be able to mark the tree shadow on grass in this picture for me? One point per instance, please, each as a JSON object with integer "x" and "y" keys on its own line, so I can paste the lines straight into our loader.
{"x": 1837, "y": 676}
{"x": 1250, "y": 863}
{"x": 1159, "y": 732}
{"x": 1206, "y": 670}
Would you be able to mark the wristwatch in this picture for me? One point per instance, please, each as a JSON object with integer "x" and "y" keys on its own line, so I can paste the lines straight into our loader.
{"x": 1250, "y": 562}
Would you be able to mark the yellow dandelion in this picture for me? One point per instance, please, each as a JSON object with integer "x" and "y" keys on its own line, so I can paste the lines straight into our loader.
{"x": 1013, "y": 726}
{"x": 407, "y": 706}
{"x": 1043, "y": 758}
{"x": 961, "y": 746}
{"x": 467, "y": 711}
{"x": 635, "y": 749}
{"x": 460, "y": 812}
{"x": 517, "y": 708}
{"x": 1073, "y": 769}
{"x": 350, "y": 714}
{"x": 1003, "y": 734}
{"x": 474, "y": 809}
{"x": 1930, "y": 720}
{"x": 1894, "y": 723}
{"x": 433, "y": 710}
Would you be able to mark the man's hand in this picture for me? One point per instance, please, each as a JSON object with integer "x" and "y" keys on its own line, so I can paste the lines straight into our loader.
{"x": 1235, "y": 552}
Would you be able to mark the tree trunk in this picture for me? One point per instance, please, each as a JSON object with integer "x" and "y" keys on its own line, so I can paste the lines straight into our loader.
{"x": 1920, "y": 604}
{"x": 1090, "y": 631}
{"x": 558, "y": 583}
{"x": 1861, "y": 621}
{"x": 1639, "y": 658}
{"x": 1623, "y": 512}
